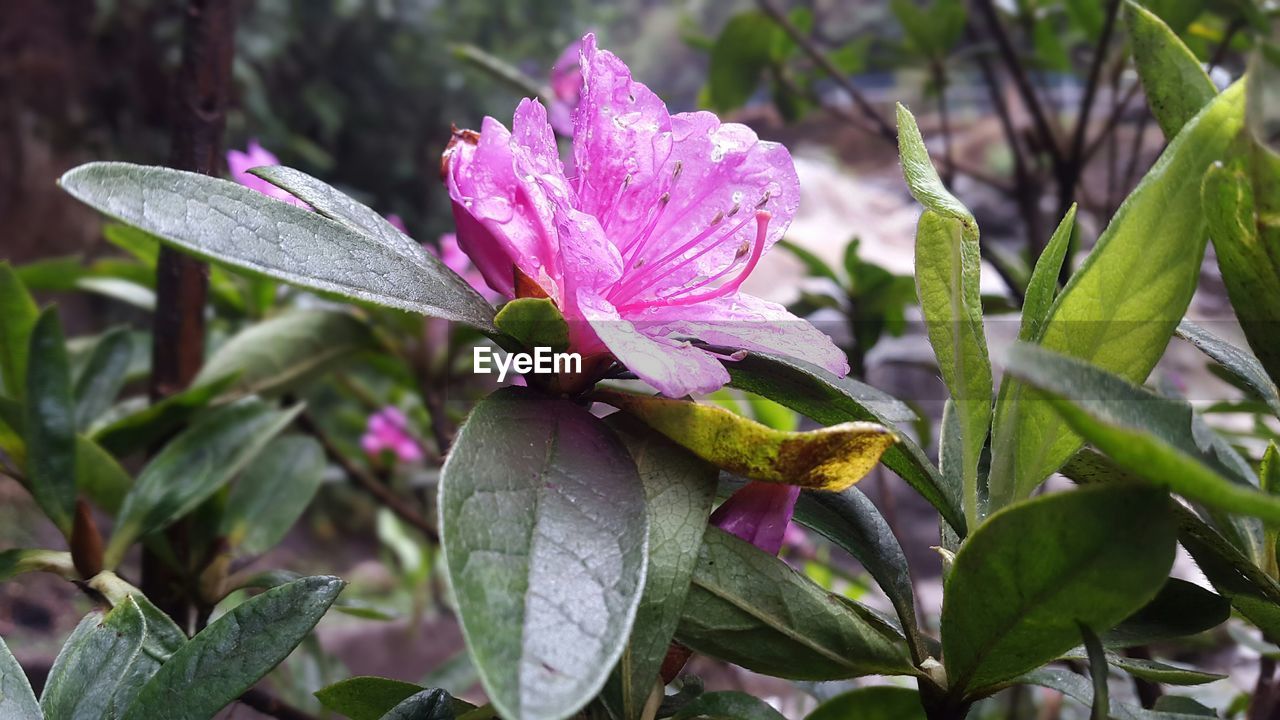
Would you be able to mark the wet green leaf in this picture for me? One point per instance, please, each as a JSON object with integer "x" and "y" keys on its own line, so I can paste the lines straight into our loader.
{"x": 727, "y": 706}
{"x": 49, "y": 423}
{"x": 534, "y": 322}
{"x": 881, "y": 702}
{"x": 18, "y": 313}
{"x": 224, "y": 222}
{"x": 365, "y": 698}
{"x": 543, "y": 529}
{"x": 103, "y": 376}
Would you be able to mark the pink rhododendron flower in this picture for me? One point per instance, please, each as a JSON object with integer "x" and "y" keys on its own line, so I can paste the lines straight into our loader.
{"x": 239, "y": 163}
{"x": 566, "y": 89}
{"x": 387, "y": 431}
{"x": 648, "y": 244}
{"x": 759, "y": 513}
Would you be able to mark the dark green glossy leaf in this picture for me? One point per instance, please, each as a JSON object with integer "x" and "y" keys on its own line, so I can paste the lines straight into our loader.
{"x": 1153, "y": 670}
{"x": 1119, "y": 309}
{"x": 678, "y": 490}
{"x": 880, "y": 702}
{"x": 849, "y": 519}
{"x": 428, "y": 705}
{"x": 99, "y": 476}
{"x": 234, "y": 652}
{"x": 272, "y": 494}
{"x": 1079, "y": 688}
{"x": 17, "y": 701}
{"x": 1176, "y": 84}
{"x": 727, "y": 706}
{"x": 366, "y": 698}
{"x": 1179, "y": 610}
{"x": 948, "y": 266}
{"x": 1182, "y": 707}
{"x": 1149, "y": 435}
{"x": 97, "y": 672}
{"x": 752, "y": 609}
{"x": 137, "y": 431}
{"x": 103, "y": 376}
{"x": 225, "y": 222}
{"x": 18, "y": 313}
{"x": 49, "y": 423}
{"x": 285, "y": 350}
{"x": 544, "y": 532}
{"x": 192, "y": 467}
{"x": 1088, "y": 557}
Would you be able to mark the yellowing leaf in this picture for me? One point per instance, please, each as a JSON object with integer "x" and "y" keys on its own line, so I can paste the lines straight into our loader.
{"x": 831, "y": 458}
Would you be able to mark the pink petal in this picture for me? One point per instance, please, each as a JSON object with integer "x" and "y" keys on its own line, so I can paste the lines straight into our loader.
{"x": 747, "y": 322}
{"x": 725, "y": 172}
{"x": 759, "y": 513}
{"x": 397, "y": 222}
{"x": 239, "y": 164}
{"x": 621, "y": 141}
{"x": 491, "y": 182}
{"x": 673, "y": 367}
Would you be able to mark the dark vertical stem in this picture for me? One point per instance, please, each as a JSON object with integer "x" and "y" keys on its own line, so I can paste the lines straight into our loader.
{"x": 1263, "y": 704}
{"x": 201, "y": 93}
{"x": 1071, "y": 170}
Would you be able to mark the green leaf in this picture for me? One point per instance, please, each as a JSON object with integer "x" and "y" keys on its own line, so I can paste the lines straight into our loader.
{"x": 752, "y": 609}
{"x": 97, "y": 672}
{"x": 103, "y": 376}
{"x": 547, "y": 562}
{"x": 1151, "y": 436}
{"x": 1178, "y": 706}
{"x": 426, "y": 705}
{"x": 192, "y": 467}
{"x": 820, "y": 395}
{"x": 99, "y": 476}
{"x": 23, "y": 560}
{"x": 1247, "y": 245}
{"x": 1180, "y": 609}
{"x": 1079, "y": 688}
{"x": 930, "y": 31}
{"x": 727, "y": 706}
{"x": 1152, "y": 670}
{"x": 679, "y": 489}
{"x": 365, "y": 698}
{"x": 283, "y": 351}
{"x": 274, "y": 491}
{"x": 1088, "y": 557}
{"x": 1237, "y": 360}
{"x": 18, "y": 313}
{"x": 235, "y": 652}
{"x": 948, "y": 266}
{"x": 816, "y": 266}
{"x": 1119, "y": 309}
{"x": 1175, "y": 81}
{"x": 1043, "y": 286}
{"x": 534, "y": 322}
{"x": 49, "y": 423}
{"x": 879, "y": 702}
{"x": 137, "y": 431}
{"x": 831, "y": 458}
{"x": 850, "y": 520}
{"x": 739, "y": 56}
{"x": 1098, "y": 671}
{"x": 17, "y": 701}
{"x": 224, "y": 222}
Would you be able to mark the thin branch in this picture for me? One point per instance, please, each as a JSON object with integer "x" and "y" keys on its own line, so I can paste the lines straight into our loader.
{"x": 1023, "y": 83}
{"x": 368, "y": 482}
{"x": 1220, "y": 53}
{"x": 1113, "y": 121}
{"x": 882, "y": 126}
{"x": 1074, "y": 167}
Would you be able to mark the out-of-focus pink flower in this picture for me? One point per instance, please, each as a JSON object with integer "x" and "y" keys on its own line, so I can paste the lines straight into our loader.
{"x": 566, "y": 89}
{"x": 397, "y": 222}
{"x": 387, "y": 431}
{"x": 239, "y": 163}
{"x": 649, "y": 243}
{"x": 759, "y": 513}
